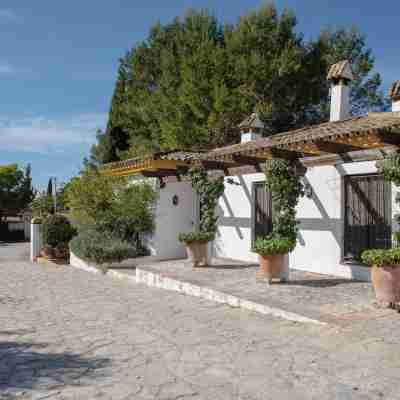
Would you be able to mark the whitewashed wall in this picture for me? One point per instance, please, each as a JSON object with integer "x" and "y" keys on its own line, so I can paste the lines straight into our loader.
{"x": 170, "y": 220}
{"x": 234, "y": 224}
{"x": 320, "y": 246}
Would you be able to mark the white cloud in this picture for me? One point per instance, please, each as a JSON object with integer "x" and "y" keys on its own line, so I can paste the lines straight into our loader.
{"x": 7, "y": 15}
{"x": 48, "y": 136}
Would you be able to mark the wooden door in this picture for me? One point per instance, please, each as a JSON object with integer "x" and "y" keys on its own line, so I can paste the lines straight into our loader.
{"x": 262, "y": 220}
{"x": 367, "y": 217}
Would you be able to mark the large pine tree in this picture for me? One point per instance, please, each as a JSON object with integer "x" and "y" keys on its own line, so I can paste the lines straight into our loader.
{"x": 194, "y": 80}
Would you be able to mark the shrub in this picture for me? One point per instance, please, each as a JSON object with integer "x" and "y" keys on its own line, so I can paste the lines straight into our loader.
{"x": 382, "y": 257}
{"x": 57, "y": 231}
{"x": 270, "y": 246}
{"x": 101, "y": 247}
{"x": 202, "y": 237}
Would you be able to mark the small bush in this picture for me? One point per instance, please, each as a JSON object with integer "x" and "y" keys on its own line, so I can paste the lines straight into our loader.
{"x": 57, "y": 231}
{"x": 101, "y": 247}
{"x": 201, "y": 237}
{"x": 381, "y": 257}
{"x": 270, "y": 246}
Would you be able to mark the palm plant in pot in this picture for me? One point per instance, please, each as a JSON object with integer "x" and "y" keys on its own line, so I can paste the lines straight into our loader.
{"x": 286, "y": 188}
{"x": 208, "y": 192}
{"x": 385, "y": 263}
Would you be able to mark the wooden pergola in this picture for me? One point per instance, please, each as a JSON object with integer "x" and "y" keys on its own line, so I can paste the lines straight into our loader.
{"x": 329, "y": 141}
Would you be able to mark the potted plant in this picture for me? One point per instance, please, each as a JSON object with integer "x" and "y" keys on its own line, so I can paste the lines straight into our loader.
{"x": 272, "y": 253}
{"x": 196, "y": 244}
{"x": 283, "y": 182}
{"x": 385, "y": 274}
{"x": 208, "y": 192}
{"x": 57, "y": 232}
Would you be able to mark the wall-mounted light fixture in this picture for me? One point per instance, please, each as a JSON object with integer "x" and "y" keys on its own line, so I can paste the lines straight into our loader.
{"x": 308, "y": 190}
{"x": 231, "y": 181}
{"x": 175, "y": 200}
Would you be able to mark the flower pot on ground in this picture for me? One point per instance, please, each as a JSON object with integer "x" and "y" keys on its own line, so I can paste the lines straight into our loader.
{"x": 47, "y": 252}
{"x": 57, "y": 232}
{"x": 196, "y": 244}
{"x": 272, "y": 253}
{"x": 385, "y": 274}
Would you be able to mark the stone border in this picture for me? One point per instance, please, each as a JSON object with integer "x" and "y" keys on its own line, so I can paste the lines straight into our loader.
{"x": 159, "y": 281}
{"x": 77, "y": 262}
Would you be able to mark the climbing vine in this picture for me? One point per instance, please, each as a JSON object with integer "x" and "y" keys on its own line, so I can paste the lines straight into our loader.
{"x": 286, "y": 189}
{"x": 208, "y": 191}
{"x": 389, "y": 167}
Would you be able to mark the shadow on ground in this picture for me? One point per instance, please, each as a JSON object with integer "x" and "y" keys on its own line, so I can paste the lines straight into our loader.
{"x": 320, "y": 283}
{"x": 230, "y": 266}
{"x": 27, "y": 366}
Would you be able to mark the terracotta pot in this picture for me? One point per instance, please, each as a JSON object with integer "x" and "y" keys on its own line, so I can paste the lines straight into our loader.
{"x": 197, "y": 253}
{"x": 272, "y": 267}
{"x": 47, "y": 252}
{"x": 386, "y": 282}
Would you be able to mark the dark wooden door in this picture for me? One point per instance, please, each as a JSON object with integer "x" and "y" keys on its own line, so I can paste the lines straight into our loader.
{"x": 262, "y": 224}
{"x": 367, "y": 216}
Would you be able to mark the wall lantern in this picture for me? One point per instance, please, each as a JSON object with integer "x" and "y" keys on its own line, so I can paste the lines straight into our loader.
{"x": 175, "y": 200}
{"x": 308, "y": 190}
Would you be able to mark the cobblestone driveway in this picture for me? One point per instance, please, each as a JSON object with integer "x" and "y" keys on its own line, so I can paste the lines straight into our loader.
{"x": 67, "y": 334}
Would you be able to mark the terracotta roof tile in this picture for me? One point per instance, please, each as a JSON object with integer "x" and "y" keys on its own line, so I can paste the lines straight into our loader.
{"x": 340, "y": 70}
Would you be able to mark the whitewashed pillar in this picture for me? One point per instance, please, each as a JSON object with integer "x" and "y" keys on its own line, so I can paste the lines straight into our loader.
{"x": 36, "y": 238}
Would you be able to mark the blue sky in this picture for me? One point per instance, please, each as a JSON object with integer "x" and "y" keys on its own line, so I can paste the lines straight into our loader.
{"x": 58, "y": 63}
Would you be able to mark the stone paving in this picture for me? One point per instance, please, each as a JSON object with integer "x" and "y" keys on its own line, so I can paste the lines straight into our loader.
{"x": 68, "y": 334}
{"x": 319, "y": 297}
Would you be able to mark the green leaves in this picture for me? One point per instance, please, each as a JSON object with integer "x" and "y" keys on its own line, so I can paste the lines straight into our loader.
{"x": 382, "y": 257}
{"x": 102, "y": 248}
{"x": 389, "y": 167}
{"x": 199, "y": 237}
{"x": 16, "y": 190}
{"x": 286, "y": 189}
{"x": 208, "y": 192}
{"x": 194, "y": 79}
{"x": 119, "y": 207}
{"x": 57, "y": 230}
{"x": 269, "y": 246}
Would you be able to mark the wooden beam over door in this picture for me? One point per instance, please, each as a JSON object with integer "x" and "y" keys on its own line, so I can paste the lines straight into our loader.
{"x": 335, "y": 147}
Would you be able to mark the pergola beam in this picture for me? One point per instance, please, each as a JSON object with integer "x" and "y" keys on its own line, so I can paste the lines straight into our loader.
{"x": 335, "y": 147}
{"x": 159, "y": 173}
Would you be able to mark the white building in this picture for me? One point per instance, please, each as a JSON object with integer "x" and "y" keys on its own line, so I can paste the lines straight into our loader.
{"x": 348, "y": 206}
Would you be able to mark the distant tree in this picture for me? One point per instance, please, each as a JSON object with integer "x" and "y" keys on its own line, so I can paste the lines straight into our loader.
{"x": 193, "y": 80}
{"x": 50, "y": 187}
{"x": 16, "y": 190}
{"x": 42, "y": 205}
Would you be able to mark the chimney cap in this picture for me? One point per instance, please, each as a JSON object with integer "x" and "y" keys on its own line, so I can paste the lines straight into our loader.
{"x": 394, "y": 92}
{"x": 340, "y": 70}
{"x": 253, "y": 121}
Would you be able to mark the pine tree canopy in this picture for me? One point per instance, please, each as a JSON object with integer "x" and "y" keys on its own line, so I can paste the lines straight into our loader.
{"x": 193, "y": 80}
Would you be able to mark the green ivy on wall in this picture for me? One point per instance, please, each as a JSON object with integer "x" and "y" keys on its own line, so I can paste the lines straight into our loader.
{"x": 208, "y": 192}
{"x": 286, "y": 189}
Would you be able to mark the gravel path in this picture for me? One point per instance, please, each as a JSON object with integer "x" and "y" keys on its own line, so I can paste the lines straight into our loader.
{"x": 67, "y": 334}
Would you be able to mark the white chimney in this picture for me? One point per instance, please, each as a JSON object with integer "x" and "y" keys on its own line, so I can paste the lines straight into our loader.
{"x": 395, "y": 96}
{"x": 340, "y": 75}
{"x": 251, "y": 128}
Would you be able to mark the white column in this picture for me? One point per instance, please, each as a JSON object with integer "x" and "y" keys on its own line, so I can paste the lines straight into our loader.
{"x": 36, "y": 239}
{"x": 340, "y": 101}
{"x": 396, "y": 106}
